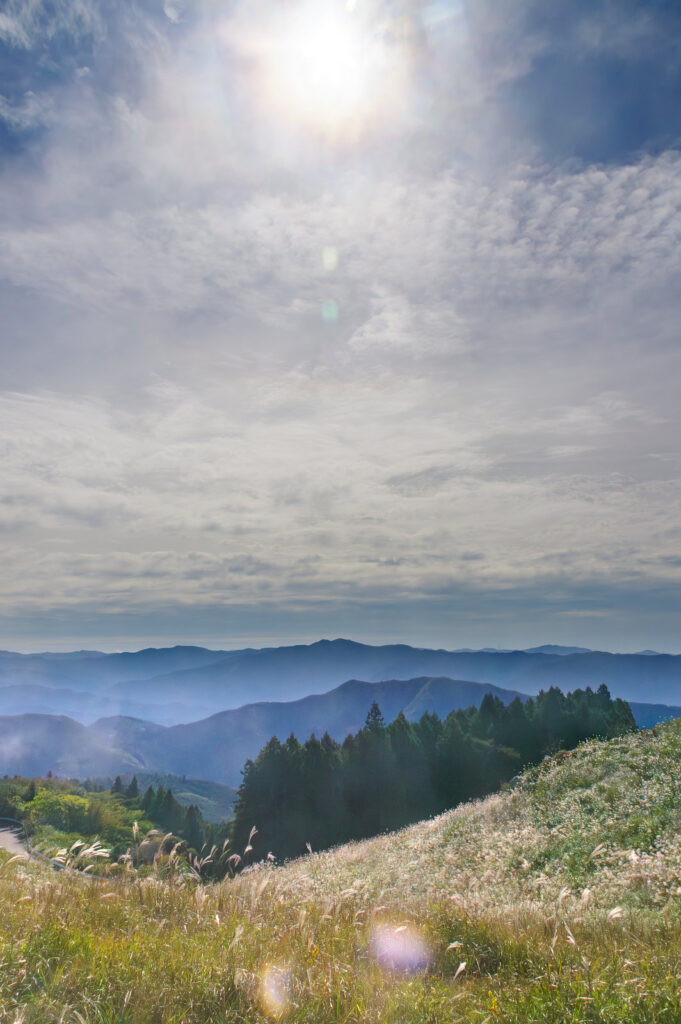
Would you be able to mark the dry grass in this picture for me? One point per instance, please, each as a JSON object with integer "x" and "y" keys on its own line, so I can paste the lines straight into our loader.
{"x": 561, "y": 898}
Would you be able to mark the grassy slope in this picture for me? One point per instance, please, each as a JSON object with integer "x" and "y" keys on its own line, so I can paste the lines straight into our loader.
{"x": 563, "y": 897}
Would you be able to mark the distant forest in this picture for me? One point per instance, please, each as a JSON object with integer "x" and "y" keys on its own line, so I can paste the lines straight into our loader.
{"x": 323, "y": 793}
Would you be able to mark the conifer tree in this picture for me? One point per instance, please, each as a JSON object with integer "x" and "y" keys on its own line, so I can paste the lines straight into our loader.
{"x": 383, "y": 777}
{"x": 374, "y": 720}
{"x": 193, "y": 827}
{"x": 132, "y": 792}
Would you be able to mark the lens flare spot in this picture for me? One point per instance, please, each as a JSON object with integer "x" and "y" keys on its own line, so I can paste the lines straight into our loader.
{"x": 275, "y": 987}
{"x": 329, "y": 257}
{"x": 399, "y": 948}
{"x": 330, "y": 311}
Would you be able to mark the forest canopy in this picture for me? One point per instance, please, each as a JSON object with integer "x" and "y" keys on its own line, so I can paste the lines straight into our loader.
{"x": 322, "y": 792}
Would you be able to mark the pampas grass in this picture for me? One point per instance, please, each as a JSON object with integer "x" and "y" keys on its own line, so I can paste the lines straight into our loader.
{"x": 558, "y": 901}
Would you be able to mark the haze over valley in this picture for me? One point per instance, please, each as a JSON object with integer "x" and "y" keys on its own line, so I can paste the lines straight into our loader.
{"x": 201, "y": 713}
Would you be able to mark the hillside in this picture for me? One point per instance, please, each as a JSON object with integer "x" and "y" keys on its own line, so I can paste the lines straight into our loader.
{"x": 604, "y": 817}
{"x": 88, "y": 707}
{"x": 33, "y": 745}
{"x": 213, "y": 799}
{"x": 557, "y": 901}
{"x": 93, "y": 671}
{"x": 215, "y": 748}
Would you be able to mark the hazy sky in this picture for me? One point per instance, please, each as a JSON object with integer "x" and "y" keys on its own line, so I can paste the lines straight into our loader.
{"x": 326, "y": 319}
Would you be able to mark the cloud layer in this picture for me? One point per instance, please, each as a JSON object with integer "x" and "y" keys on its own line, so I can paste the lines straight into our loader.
{"x": 418, "y": 378}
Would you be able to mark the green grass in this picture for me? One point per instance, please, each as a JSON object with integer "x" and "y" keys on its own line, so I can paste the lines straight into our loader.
{"x": 563, "y": 897}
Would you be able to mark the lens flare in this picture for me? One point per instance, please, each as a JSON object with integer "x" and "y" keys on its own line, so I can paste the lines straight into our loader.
{"x": 399, "y": 948}
{"x": 275, "y": 985}
{"x": 330, "y": 257}
{"x": 330, "y": 311}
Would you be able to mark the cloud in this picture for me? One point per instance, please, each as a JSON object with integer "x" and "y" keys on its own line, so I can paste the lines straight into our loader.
{"x": 543, "y": 268}
{"x": 27, "y": 23}
{"x": 493, "y": 409}
{"x": 28, "y": 113}
{"x": 201, "y": 502}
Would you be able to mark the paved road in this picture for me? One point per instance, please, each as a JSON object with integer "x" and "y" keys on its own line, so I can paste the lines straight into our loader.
{"x": 11, "y": 842}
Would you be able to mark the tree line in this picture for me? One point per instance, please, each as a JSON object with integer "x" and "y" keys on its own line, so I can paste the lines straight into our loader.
{"x": 160, "y": 807}
{"x": 322, "y": 792}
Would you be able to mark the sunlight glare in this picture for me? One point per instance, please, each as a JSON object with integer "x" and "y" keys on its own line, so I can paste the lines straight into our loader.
{"x": 274, "y": 991}
{"x": 324, "y": 66}
{"x": 399, "y": 948}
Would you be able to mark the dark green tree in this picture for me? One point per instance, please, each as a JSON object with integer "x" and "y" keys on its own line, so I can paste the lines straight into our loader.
{"x": 193, "y": 830}
{"x": 374, "y": 721}
{"x": 132, "y": 792}
{"x": 383, "y": 777}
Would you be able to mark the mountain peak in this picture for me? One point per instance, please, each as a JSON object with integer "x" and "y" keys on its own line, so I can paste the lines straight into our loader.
{"x": 338, "y": 643}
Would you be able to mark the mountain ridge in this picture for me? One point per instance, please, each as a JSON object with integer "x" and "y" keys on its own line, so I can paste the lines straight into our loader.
{"x": 186, "y": 683}
{"x": 215, "y": 748}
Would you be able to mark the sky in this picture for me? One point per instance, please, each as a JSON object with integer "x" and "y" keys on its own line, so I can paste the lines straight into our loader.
{"x": 326, "y": 319}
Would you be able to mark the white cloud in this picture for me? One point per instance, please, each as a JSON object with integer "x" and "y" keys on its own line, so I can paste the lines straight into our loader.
{"x": 495, "y": 405}
{"x": 208, "y": 497}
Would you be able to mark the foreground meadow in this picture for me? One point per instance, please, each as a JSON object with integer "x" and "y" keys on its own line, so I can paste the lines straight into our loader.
{"x": 558, "y": 900}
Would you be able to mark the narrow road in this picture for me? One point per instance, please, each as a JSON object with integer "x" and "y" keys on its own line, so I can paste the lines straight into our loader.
{"x": 10, "y": 841}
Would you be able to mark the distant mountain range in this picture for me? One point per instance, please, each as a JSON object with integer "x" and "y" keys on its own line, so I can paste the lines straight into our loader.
{"x": 88, "y": 707}
{"x": 216, "y": 747}
{"x": 201, "y": 713}
{"x": 178, "y": 685}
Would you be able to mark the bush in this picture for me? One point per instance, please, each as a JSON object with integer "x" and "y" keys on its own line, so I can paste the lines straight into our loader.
{"x": 64, "y": 811}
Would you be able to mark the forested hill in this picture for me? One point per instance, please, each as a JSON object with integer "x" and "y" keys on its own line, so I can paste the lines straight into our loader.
{"x": 323, "y": 793}
{"x": 216, "y": 748}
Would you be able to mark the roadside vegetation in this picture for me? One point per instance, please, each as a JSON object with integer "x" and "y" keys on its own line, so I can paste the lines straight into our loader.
{"x": 60, "y": 812}
{"x": 556, "y": 901}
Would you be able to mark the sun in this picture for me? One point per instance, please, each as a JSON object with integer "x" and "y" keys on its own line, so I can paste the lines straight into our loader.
{"x": 324, "y": 66}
